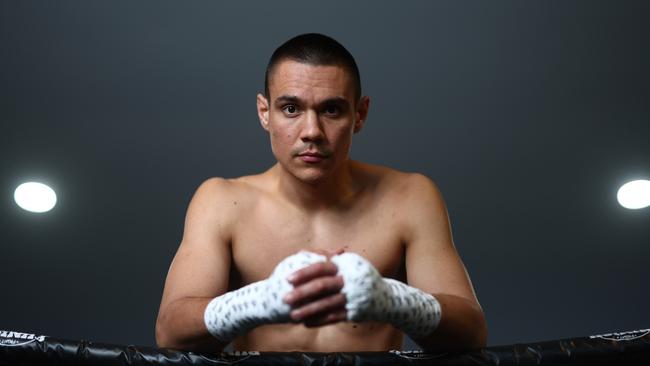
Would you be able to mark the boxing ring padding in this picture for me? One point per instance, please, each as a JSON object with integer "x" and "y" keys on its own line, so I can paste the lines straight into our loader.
{"x": 626, "y": 348}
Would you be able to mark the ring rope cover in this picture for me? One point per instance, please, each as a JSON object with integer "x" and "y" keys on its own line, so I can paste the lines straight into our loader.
{"x": 624, "y": 348}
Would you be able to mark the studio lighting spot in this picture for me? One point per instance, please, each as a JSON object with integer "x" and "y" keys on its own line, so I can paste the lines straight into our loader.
{"x": 35, "y": 197}
{"x": 634, "y": 195}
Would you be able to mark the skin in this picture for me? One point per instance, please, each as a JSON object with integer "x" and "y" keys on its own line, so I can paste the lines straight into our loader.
{"x": 237, "y": 230}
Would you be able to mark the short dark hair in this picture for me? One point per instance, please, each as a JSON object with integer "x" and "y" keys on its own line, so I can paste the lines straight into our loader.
{"x": 314, "y": 49}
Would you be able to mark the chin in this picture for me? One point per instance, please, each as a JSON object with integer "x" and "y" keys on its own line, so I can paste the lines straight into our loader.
{"x": 312, "y": 179}
{"x": 311, "y": 175}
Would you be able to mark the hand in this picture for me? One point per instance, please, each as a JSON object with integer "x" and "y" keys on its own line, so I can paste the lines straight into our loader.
{"x": 236, "y": 312}
{"x": 317, "y": 299}
{"x": 369, "y": 296}
{"x": 366, "y": 292}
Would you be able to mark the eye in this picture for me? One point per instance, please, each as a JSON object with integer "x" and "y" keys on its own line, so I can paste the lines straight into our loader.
{"x": 290, "y": 109}
{"x": 332, "y": 110}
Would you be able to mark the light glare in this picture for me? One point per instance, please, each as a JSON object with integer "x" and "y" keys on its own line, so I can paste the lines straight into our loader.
{"x": 634, "y": 195}
{"x": 35, "y": 197}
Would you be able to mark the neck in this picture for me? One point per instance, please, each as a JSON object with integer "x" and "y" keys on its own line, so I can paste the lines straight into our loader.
{"x": 333, "y": 191}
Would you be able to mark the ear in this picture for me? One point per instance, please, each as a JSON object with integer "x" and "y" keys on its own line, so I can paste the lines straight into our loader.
{"x": 263, "y": 111}
{"x": 362, "y": 113}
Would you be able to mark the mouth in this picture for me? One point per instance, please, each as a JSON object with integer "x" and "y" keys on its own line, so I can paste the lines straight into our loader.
{"x": 311, "y": 157}
{"x": 312, "y": 154}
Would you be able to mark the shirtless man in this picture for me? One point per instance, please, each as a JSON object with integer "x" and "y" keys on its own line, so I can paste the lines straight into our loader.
{"x": 275, "y": 250}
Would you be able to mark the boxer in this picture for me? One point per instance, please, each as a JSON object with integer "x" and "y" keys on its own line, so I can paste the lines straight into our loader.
{"x": 320, "y": 252}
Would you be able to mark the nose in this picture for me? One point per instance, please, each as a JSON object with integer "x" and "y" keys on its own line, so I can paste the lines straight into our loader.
{"x": 312, "y": 131}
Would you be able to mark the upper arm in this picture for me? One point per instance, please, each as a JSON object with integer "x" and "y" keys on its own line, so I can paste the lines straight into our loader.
{"x": 432, "y": 262}
{"x": 201, "y": 265}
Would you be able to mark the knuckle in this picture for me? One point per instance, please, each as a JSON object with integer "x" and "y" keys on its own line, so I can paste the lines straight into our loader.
{"x": 311, "y": 270}
{"x": 333, "y": 300}
{"x": 332, "y": 267}
{"x": 297, "y": 293}
{"x": 323, "y": 266}
{"x": 338, "y": 282}
{"x": 314, "y": 310}
{"x": 298, "y": 273}
{"x": 319, "y": 286}
{"x": 335, "y": 283}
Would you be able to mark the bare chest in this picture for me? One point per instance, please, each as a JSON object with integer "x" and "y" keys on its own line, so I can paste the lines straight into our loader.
{"x": 269, "y": 233}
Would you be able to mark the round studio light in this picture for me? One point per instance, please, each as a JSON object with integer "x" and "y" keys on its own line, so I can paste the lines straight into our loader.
{"x": 35, "y": 197}
{"x": 634, "y": 195}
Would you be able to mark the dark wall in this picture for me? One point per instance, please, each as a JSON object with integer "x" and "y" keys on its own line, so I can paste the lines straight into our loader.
{"x": 528, "y": 115}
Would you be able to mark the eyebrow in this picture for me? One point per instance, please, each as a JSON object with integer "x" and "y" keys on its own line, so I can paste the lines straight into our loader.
{"x": 294, "y": 99}
{"x": 286, "y": 99}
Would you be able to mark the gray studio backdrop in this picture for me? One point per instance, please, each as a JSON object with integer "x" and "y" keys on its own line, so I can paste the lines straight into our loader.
{"x": 528, "y": 115}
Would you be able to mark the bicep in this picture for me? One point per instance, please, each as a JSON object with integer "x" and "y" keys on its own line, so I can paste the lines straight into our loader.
{"x": 201, "y": 265}
{"x": 432, "y": 261}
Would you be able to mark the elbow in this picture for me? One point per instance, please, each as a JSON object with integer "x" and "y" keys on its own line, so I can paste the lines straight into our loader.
{"x": 168, "y": 337}
{"x": 470, "y": 330}
{"x": 162, "y": 336}
{"x": 463, "y": 332}
{"x": 165, "y": 339}
{"x": 474, "y": 327}
{"x": 480, "y": 334}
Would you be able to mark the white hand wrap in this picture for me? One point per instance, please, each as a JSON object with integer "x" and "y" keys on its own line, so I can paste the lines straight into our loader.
{"x": 372, "y": 297}
{"x": 235, "y": 313}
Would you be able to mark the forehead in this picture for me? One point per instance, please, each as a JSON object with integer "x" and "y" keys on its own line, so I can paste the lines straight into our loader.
{"x": 310, "y": 82}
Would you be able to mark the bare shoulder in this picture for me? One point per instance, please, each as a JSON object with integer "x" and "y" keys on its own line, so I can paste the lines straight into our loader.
{"x": 212, "y": 197}
{"x": 219, "y": 203}
{"x": 418, "y": 205}
{"x": 217, "y": 189}
{"x": 229, "y": 194}
{"x": 403, "y": 188}
{"x": 420, "y": 189}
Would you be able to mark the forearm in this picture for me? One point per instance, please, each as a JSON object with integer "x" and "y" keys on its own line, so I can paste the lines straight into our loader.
{"x": 462, "y": 326}
{"x": 181, "y": 325}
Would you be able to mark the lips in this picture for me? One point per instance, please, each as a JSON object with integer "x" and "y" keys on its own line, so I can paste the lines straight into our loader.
{"x": 314, "y": 154}
{"x": 311, "y": 157}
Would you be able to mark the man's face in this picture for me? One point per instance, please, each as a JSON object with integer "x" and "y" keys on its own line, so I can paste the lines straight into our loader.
{"x": 311, "y": 115}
